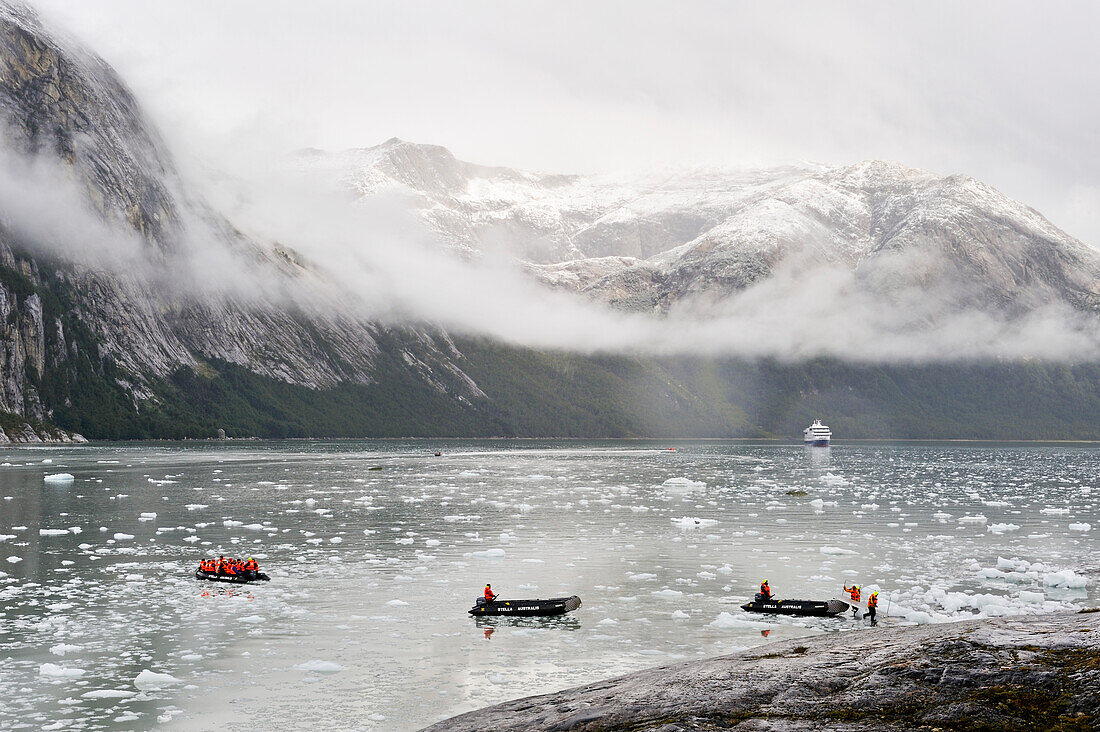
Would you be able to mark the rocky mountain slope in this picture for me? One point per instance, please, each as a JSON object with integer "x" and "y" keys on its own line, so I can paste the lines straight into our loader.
{"x": 1034, "y": 673}
{"x": 649, "y": 242}
{"x": 129, "y": 319}
{"x": 130, "y": 308}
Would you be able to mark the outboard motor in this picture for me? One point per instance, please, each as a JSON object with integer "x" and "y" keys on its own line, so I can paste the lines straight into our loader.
{"x": 480, "y": 601}
{"x": 759, "y": 598}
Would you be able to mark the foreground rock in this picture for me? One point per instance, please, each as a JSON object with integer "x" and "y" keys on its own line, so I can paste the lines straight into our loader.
{"x": 1039, "y": 672}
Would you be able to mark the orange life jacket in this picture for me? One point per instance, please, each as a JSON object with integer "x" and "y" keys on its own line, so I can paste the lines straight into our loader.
{"x": 765, "y": 590}
{"x": 872, "y": 601}
{"x": 854, "y": 592}
{"x": 489, "y": 595}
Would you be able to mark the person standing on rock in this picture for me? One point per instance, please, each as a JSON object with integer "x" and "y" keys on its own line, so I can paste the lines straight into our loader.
{"x": 872, "y": 606}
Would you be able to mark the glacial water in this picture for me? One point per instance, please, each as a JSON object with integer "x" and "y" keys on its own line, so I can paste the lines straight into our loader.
{"x": 378, "y": 548}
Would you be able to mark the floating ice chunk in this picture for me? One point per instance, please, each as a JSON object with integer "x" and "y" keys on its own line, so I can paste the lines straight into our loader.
{"x": 687, "y": 523}
{"x": 108, "y": 694}
{"x": 668, "y": 594}
{"x": 1036, "y": 598}
{"x": 915, "y": 616}
{"x": 196, "y": 506}
{"x": 123, "y": 537}
{"x": 148, "y": 515}
{"x": 230, "y": 523}
{"x": 979, "y": 519}
{"x": 1002, "y": 528}
{"x": 318, "y": 666}
{"x": 52, "y": 532}
{"x": 680, "y": 615}
{"x": 150, "y": 681}
{"x": 254, "y": 527}
{"x": 641, "y": 577}
{"x": 253, "y": 619}
{"x": 835, "y": 550}
{"x": 682, "y": 484}
{"x": 431, "y": 542}
{"x": 497, "y": 679}
{"x": 458, "y": 517}
{"x": 608, "y": 621}
{"x": 1080, "y": 527}
{"x": 817, "y": 503}
{"x": 62, "y": 648}
{"x": 14, "y": 559}
{"x": 495, "y": 553}
{"x": 941, "y": 516}
{"x": 49, "y": 669}
{"x": 5, "y": 537}
{"x": 397, "y": 603}
{"x": 1067, "y": 579}
{"x": 59, "y": 478}
{"x": 1054, "y": 511}
{"x": 727, "y": 621}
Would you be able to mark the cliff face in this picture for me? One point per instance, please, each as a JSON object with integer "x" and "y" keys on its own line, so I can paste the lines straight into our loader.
{"x": 1034, "y": 673}
{"x": 146, "y": 314}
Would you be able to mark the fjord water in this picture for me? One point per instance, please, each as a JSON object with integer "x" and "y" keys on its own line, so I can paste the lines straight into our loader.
{"x": 376, "y": 550}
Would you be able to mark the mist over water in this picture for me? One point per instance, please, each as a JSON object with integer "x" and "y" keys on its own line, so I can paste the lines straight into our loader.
{"x": 376, "y": 550}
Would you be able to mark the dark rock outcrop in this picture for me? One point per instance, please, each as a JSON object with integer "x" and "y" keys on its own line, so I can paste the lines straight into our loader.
{"x": 1033, "y": 673}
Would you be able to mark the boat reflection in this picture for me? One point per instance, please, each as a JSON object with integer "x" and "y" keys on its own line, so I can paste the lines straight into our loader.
{"x": 558, "y": 622}
{"x": 819, "y": 457}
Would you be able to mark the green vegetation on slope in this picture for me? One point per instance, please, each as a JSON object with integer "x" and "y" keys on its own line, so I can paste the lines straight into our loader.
{"x": 538, "y": 393}
{"x": 535, "y": 394}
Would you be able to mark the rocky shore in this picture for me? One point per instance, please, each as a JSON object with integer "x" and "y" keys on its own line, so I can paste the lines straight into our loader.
{"x": 1024, "y": 673}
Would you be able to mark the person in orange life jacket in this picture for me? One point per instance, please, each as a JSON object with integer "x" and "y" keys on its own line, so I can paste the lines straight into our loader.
{"x": 765, "y": 591}
{"x": 219, "y": 568}
{"x": 872, "y": 606}
{"x": 489, "y": 594}
{"x": 853, "y": 591}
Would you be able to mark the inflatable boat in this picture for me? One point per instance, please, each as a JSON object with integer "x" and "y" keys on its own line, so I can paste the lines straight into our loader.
{"x": 527, "y": 608}
{"x": 813, "y": 608}
{"x": 237, "y": 579}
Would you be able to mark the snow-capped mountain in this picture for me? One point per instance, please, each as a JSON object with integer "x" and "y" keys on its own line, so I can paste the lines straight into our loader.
{"x": 650, "y": 241}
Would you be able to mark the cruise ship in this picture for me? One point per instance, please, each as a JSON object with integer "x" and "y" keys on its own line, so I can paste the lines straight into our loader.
{"x": 817, "y": 434}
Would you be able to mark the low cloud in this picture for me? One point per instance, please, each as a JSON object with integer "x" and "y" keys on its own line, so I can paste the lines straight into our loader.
{"x": 375, "y": 261}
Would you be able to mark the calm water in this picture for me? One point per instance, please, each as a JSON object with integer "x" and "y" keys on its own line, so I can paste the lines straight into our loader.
{"x": 377, "y": 549}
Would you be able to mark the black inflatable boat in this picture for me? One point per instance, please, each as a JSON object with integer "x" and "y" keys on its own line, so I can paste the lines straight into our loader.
{"x": 527, "y": 608}
{"x": 814, "y": 608}
{"x": 237, "y": 579}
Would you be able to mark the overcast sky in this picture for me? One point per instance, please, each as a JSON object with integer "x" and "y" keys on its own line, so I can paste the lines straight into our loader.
{"x": 1006, "y": 92}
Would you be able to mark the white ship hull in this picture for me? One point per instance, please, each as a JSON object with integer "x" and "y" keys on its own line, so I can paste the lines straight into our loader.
{"x": 817, "y": 435}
